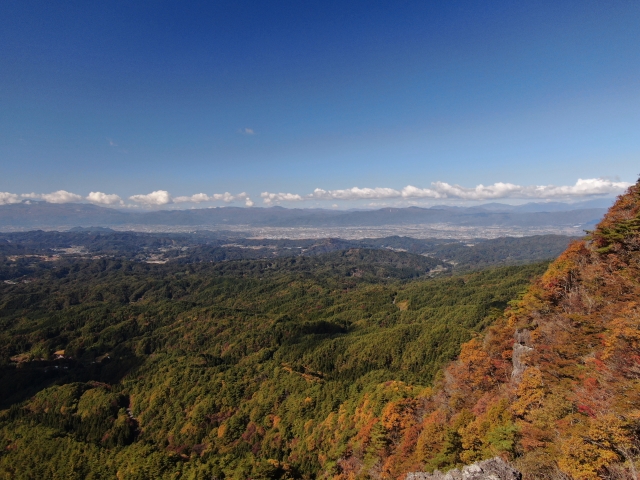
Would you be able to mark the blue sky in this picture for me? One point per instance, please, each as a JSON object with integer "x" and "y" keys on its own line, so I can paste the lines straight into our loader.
{"x": 278, "y": 99}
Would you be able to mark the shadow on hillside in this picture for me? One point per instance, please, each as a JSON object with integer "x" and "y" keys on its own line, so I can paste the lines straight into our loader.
{"x": 18, "y": 382}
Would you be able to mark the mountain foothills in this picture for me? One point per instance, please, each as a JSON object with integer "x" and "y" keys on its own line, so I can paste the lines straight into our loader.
{"x": 356, "y": 362}
{"x": 26, "y": 252}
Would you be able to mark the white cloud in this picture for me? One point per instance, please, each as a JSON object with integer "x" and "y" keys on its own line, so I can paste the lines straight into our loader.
{"x": 203, "y": 197}
{"x": 354, "y": 193}
{"x": 480, "y": 192}
{"x": 61, "y": 196}
{"x": 241, "y": 196}
{"x": 414, "y": 192}
{"x": 247, "y": 131}
{"x": 156, "y": 198}
{"x": 227, "y": 197}
{"x": 197, "y": 198}
{"x": 104, "y": 198}
{"x": 442, "y": 190}
{"x": 159, "y": 197}
{"x": 582, "y": 188}
{"x": 270, "y": 198}
{"x": 7, "y": 198}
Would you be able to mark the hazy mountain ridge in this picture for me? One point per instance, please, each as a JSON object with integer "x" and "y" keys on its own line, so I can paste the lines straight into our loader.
{"x": 40, "y": 214}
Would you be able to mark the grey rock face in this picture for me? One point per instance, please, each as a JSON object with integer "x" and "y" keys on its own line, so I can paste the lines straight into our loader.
{"x": 493, "y": 469}
{"x": 523, "y": 337}
{"x": 520, "y": 348}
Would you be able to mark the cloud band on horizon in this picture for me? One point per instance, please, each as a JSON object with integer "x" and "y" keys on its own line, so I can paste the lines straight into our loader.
{"x": 162, "y": 197}
{"x": 153, "y": 199}
{"x": 441, "y": 190}
{"x": 583, "y": 188}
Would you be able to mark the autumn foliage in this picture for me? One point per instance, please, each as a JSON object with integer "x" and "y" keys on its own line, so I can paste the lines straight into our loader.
{"x": 574, "y": 409}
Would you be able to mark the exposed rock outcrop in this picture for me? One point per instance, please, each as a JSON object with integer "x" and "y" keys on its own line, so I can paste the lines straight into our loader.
{"x": 493, "y": 469}
{"x": 521, "y": 347}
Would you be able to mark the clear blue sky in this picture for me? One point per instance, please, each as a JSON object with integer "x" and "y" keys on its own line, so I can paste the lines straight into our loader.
{"x": 127, "y": 98}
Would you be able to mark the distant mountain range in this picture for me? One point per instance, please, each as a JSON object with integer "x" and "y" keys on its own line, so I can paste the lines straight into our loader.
{"x": 48, "y": 215}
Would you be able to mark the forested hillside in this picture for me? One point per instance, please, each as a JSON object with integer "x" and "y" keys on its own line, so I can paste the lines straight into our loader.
{"x": 554, "y": 386}
{"x": 113, "y": 368}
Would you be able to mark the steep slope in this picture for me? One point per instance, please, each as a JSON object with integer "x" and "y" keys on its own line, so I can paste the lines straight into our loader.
{"x": 553, "y": 386}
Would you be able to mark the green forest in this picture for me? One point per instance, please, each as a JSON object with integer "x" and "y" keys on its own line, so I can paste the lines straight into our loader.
{"x": 116, "y": 368}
